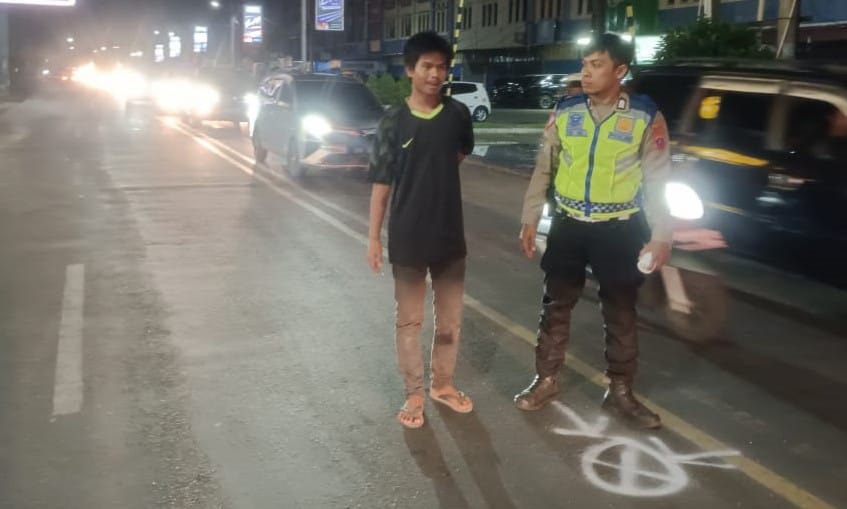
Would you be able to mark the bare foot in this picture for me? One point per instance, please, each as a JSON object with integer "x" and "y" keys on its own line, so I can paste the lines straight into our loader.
{"x": 411, "y": 415}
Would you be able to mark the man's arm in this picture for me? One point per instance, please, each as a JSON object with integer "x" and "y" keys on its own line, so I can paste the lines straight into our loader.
{"x": 467, "y": 141}
{"x": 379, "y": 204}
{"x": 546, "y": 165}
{"x": 656, "y": 167}
{"x": 381, "y": 175}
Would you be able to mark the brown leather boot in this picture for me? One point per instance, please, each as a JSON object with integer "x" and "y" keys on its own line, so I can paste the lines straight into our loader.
{"x": 620, "y": 399}
{"x": 538, "y": 394}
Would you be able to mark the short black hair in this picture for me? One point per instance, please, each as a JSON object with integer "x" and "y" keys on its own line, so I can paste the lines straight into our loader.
{"x": 422, "y": 43}
{"x": 619, "y": 50}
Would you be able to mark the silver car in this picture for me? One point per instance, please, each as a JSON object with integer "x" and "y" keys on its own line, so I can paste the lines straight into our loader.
{"x": 315, "y": 121}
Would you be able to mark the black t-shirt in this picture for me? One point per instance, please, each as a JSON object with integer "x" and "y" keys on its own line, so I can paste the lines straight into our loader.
{"x": 418, "y": 155}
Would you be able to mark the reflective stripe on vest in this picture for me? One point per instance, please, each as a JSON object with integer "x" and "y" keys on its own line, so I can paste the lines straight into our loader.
{"x": 599, "y": 171}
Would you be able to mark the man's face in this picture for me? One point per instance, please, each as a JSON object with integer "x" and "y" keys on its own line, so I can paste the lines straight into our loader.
{"x": 600, "y": 74}
{"x": 429, "y": 73}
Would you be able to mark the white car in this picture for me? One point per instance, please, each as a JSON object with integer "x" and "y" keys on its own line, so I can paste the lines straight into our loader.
{"x": 474, "y": 96}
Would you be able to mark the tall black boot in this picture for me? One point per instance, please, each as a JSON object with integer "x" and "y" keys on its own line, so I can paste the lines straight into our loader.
{"x": 620, "y": 399}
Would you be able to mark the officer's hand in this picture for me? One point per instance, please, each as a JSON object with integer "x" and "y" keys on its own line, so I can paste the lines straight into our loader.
{"x": 528, "y": 232}
{"x": 661, "y": 253}
{"x": 375, "y": 255}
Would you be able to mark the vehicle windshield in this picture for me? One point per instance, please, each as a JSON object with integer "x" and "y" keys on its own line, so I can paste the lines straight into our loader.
{"x": 227, "y": 79}
{"x": 335, "y": 98}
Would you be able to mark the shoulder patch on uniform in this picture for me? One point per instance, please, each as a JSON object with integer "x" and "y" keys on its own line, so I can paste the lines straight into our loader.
{"x": 643, "y": 103}
{"x": 570, "y": 100}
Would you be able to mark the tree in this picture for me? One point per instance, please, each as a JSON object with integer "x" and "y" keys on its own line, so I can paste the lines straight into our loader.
{"x": 388, "y": 90}
{"x": 707, "y": 38}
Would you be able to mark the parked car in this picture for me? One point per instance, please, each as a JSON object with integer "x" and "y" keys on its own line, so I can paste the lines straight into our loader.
{"x": 315, "y": 120}
{"x": 764, "y": 146}
{"x": 474, "y": 96}
{"x": 532, "y": 90}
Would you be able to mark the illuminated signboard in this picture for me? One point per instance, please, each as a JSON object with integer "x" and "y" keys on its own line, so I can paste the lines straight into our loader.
{"x": 174, "y": 46}
{"x": 253, "y": 24}
{"x": 201, "y": 39}
{"x": 159, "y": 53}
{"x": 55, "y": 3}
{"x": 329, "y": 15}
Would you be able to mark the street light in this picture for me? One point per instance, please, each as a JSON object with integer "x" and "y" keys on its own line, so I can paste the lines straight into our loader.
{"x": 215, "y": 4}
{"x": 156, "y": 32}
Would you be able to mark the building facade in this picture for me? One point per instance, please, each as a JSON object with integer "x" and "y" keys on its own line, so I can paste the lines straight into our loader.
{"x": 509, "y": 37}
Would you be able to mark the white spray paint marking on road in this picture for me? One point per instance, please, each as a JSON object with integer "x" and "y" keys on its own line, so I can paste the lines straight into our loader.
{"x": 67, "y": 390}
{"x": 625, "y": 466}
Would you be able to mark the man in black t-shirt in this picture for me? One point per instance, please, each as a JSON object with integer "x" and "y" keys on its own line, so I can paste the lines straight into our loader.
{"x": 417, "y": 152}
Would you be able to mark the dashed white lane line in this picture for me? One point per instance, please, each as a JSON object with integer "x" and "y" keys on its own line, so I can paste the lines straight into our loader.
{"x": 67, "y": 391}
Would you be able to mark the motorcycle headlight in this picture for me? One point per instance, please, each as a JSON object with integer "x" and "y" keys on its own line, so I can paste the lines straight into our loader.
{"x": 316, "y": 125}
{"x": 683, "y": 201}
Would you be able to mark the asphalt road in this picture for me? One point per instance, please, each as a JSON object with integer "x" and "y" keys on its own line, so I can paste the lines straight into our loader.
{"x": 181, "y": 328}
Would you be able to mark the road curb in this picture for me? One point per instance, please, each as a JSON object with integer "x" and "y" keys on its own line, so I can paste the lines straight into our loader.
{"x": 825, "y": 323}
{"x": 507, "y": 130}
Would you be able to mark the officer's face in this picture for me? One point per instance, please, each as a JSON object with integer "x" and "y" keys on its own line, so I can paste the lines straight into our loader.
{"x": 429, "y": 73}
{"x": 600, "y": 75}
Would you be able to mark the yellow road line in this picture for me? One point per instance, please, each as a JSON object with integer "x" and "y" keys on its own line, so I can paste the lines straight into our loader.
{"x": 771, "y": 480}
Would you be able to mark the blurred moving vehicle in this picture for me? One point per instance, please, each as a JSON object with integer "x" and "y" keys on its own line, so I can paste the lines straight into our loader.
{"x": 223, "y": 94}
{"x": 474, "y": 96}
{"x": 764, "y": 144}
{"x": 531, "y": 90}
{"x": 315, "y": 120}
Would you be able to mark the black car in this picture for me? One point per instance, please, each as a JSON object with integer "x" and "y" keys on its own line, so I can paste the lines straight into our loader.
{"x": 532, "y": 90}
{"x": 764, "y": 148}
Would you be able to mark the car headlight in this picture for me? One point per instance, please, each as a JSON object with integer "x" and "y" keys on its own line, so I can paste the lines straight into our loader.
{"x": 683, "y": 201}
{"x": 205, "y": 99}
{"x": 316, "y": 126}
{"x": 253, "y": 105}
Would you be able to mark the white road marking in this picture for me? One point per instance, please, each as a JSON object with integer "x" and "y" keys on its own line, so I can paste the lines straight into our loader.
{"x": 67, "y": 391}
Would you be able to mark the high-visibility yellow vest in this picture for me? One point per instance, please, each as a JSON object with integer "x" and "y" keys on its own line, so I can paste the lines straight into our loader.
{"x": 599, "y": 174}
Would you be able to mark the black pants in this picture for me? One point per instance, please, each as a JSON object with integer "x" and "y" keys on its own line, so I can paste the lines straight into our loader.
{"x": 611, "y": 249}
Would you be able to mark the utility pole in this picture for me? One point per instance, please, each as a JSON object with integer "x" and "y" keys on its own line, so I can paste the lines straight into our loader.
{"x": 303, "y": 31}
{"x": 598, "y": 15}
{"x": 789, "y": 20}
{"x": 712, "y": 9}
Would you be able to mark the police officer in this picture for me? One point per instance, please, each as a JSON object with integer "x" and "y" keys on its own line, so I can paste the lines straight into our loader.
{"x": 605, "y": 153}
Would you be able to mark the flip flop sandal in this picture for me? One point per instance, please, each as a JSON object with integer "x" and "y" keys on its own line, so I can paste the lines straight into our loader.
{"x": 416, "y": 413}
{"x": 454, "y": 401}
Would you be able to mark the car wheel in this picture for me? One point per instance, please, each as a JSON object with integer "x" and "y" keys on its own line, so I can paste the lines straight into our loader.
{"x": 480, "y": 114}
{"x": 260, "y": 153}
{"x": 545, "y": 102}
{"x": 292, "y": 160}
